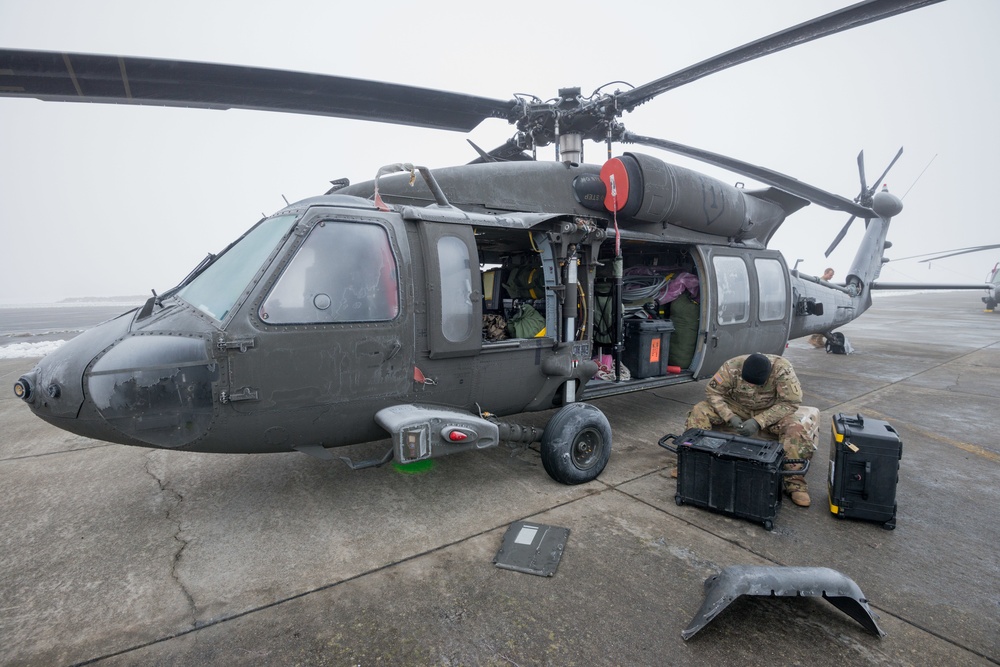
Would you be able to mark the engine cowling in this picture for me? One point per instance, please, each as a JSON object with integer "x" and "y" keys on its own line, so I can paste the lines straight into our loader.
{"x": 645, "y": 189}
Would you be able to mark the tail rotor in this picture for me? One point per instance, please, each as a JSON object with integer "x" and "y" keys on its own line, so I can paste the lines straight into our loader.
{"x": 864, "y": 197}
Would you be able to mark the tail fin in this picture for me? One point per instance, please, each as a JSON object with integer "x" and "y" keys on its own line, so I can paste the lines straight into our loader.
{"x": 868, "y": 260}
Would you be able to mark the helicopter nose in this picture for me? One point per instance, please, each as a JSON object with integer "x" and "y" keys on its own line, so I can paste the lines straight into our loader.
{"x": 136, "y": 388}
{"x": 53, "y": 389}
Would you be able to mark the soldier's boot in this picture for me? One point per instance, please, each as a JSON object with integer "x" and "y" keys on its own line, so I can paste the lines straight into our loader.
{"x": 796, "y": 487}
{"x": 799, "y": 435}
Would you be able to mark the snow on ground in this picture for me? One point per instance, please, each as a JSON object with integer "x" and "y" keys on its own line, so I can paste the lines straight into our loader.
{"x": 27, "y": 350}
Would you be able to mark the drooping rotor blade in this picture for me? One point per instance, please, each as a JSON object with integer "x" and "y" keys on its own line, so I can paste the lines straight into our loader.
{"x": 834, "y": 22}
{"x": 69, "y": 77}
{"x": 762, "y": 174}
{"x": 950, "y": 253}
{"x": 840, "y": 237}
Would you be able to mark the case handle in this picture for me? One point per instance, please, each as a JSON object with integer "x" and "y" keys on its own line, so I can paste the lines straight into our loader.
{"x": 663, "y": 442}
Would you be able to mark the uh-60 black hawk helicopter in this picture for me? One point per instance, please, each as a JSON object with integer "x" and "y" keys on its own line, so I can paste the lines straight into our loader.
{"x": 360, "y": 312}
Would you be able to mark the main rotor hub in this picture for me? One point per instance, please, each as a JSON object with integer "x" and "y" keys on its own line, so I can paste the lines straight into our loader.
{"x": 543, "y": 123}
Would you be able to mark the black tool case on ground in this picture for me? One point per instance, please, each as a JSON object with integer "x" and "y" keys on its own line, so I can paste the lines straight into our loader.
{"x": 864, "y": 469}
{"x": 730, "y": 474}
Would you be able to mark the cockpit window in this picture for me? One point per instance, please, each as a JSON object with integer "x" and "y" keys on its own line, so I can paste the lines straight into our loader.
{"x": 216, "y": 290}
{"x": 344, "y": 272}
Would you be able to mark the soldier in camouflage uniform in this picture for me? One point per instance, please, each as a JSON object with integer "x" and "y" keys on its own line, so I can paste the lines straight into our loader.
{"x": 758, "y": 392}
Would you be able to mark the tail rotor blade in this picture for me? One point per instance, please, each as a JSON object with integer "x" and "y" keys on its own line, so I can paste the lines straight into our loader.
{"x": 861, "y": 173}
{"x": 840, "y": 237}
{"x": 876, "y": 183}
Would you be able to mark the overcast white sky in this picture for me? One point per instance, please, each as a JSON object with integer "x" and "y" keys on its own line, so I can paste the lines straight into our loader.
{"x": 105, "y": 200}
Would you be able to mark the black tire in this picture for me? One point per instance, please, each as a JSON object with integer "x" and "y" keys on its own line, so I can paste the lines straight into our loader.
{"x": 768, "y": 525}
{"x": 576, "y": 444}
{"x": 678, "y": 499}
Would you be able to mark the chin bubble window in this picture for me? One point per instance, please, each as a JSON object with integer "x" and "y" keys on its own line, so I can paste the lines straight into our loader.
{"x": 156, "y": 389}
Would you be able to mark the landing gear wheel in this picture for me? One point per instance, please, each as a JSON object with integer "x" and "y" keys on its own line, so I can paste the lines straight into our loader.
{"x": 576, "y": 444}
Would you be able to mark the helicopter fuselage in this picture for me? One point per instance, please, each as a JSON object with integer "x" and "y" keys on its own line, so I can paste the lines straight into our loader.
{"x": 348, "y": 304}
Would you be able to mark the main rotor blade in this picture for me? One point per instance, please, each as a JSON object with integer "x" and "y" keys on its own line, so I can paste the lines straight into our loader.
{"x": 70, "y": 77}
{"x": 840, "y": 237}
{"x": 834, "y": 22}
{"x": 949, "y": 253}
{"x": 762, "y": 174}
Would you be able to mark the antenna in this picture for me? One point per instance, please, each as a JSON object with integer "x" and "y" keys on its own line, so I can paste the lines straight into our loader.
{"x": 917, "y": 178}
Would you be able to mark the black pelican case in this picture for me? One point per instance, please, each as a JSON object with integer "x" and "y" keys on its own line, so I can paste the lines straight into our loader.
{"x": 864, "y": 469}
{"x": 731, "y": 474}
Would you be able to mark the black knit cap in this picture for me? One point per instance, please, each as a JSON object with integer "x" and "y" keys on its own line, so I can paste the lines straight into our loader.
{"x": 756, "y": 369}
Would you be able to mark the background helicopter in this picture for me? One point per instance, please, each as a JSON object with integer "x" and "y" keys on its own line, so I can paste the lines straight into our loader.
{"x": 992, "y": 297}
{"x": 591, "y": 118}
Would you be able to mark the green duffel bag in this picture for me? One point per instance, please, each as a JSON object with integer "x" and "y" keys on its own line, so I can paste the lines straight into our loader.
{"x": 685, "y": 314}
{"x": 526, "y": 323}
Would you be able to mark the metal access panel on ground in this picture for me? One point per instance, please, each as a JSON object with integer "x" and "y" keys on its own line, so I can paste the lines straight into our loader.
{"x": 532, "y": 548}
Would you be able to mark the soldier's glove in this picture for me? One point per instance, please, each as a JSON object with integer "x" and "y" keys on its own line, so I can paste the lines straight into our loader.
{"x": 749, "y": 428}
{"x": 735, "y": 423}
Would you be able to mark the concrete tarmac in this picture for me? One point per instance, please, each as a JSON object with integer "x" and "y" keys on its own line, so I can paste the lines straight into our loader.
{"x": 121, "y": 556}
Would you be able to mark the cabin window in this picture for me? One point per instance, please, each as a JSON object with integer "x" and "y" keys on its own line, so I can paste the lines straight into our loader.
{"x": 733, "y": 289}
{"x": 456, "y": 288}
{"x": 343, "y": 272}
{"x": 772, "y": 293}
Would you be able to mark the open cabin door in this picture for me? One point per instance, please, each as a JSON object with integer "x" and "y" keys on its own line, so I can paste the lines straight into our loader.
{"x": 745, "y": 304}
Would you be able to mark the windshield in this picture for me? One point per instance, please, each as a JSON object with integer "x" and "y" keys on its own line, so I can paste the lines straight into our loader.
{"x": 216, "y": 290}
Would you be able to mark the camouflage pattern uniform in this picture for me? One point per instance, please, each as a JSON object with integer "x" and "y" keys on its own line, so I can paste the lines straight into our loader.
{"x": 494, "y": 327}
{"x": 774, "y": 405}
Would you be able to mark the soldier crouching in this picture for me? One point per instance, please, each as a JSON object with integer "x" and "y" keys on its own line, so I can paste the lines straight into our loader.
{"x": 761, "y": 393}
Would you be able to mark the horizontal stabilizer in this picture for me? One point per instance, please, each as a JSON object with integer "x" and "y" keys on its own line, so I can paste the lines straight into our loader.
{"x": 919, "y": 286}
